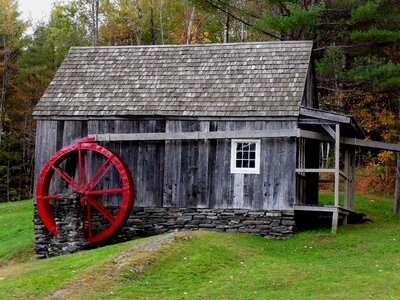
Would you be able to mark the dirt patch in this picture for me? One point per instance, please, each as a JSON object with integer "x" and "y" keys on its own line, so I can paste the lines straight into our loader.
{"x": 321, "y": 239}
{"x": 134, "y": 260}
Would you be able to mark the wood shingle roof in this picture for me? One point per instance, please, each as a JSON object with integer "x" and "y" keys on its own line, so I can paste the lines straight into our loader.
{"x": 225, "y": 80}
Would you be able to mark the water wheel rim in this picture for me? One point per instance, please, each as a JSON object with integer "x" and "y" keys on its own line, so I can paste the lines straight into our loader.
{"x": 50, "y": 168}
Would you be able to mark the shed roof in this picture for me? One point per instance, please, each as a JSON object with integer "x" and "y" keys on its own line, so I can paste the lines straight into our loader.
{"x": 226, "y": 80}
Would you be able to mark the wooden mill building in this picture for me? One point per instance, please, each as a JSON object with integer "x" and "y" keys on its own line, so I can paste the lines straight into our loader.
{"x": 220, "y": 136}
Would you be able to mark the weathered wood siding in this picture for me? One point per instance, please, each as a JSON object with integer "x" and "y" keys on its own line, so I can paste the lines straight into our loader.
{"x": 310, "y": 90}
{"x": 188, "y": 173}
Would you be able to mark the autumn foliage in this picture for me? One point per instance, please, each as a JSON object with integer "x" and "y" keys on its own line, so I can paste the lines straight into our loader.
{"x": 356, "y": 49}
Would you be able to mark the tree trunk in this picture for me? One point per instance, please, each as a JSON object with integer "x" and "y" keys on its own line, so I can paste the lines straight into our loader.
{"x": 189, "y": 26}
{"x": 243, "y": 28}
{"x": 152, "y": 29}
{"x": 4, "y": 85}
{"x": 161, "y": 23}
{"x": 139, "y": 31}
{"x": 95, "y": 21}
{"x": 227, "y": 22}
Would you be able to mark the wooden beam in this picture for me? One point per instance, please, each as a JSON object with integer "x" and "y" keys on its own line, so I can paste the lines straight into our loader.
{"x": 396, "y": 199}
{"x": 315, "y": 170}
{"x": 314, "y": 135}
{"x": 349, "y": 141}
{"x": 315, "y": 208}
{"x": 319, "y": 114}
{"x": 347, "y": 179}
{"x": 337, "y": 164}
{"x": 196, "y": 135}
{"x": 371, "y": 144}
{"x": 160, "y": 136}
{"x": 325, "y": 208}
{"x": 315, "y": 122}
{"x": 329, "y": 130}
{"x": 353, "y": 179}
{"x": 335, "y": 220}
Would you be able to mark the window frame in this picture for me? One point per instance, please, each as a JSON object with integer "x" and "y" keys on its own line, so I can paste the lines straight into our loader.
{"x": 241, "y": 170}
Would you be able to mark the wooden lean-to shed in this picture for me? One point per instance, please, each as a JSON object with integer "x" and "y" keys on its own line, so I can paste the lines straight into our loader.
{"x": 219, "y": 136}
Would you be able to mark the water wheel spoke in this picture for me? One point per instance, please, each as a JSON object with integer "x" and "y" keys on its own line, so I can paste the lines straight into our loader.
{"x": 61, "y": 172}
{"x": 86, "y": 169}
{"x": 80, "y": 166}
{"x": 101, "y": 172}
{"x": 52, "y": 197}
{"x": 109, "y": 191}
{"x": 101, "y": 209}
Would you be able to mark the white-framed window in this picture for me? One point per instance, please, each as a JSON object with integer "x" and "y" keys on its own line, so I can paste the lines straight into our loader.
{"x": 245, "y": 156}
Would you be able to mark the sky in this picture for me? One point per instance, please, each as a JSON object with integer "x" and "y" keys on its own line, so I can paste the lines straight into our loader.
{"x": 36, "y": 9}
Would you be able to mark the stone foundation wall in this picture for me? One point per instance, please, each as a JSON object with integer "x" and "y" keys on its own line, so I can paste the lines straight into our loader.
{"x": 69, "y": 222}
{"x": 273, "y": 224}
{"x": 150, "y": 221}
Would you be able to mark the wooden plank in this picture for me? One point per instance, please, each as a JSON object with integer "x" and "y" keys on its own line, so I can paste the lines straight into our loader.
{"x": 347, "y": 179}
{"x": 353, "y": 179}
{"x": 319, "y": 114}
{"x": 315, "y": 208}
{"x": 337, "y": 165}
{"x": 321, "y": 170}
{"x": 241, "y": 198}
{"x": 350, "y": 141}
{"x": 314, "y": 122}
{"x": 329, "y": 130}
{"x": 371, "y": 144}
{"x": 335, "y": 220}
{"x": 202, "y": 171}
{"x": 325, "y": 208}
{"x": 238, "y": 194}
{"x": 48, "y": 141}
{"x": 288, "y": 179}
{"x": 241, "y": 134}
{"x": 172, "y": 166}
{"x": 314, "y": 135}
{"x": 197, "y": 135}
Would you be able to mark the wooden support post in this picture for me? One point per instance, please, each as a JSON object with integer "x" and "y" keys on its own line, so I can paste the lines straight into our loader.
{"x": 335, "y": 215}
{"x": 347, "y": 178}
{"x": 353, "y": 179}
{"x": 396, "y": 203}
{"x": 335, "y": 218}
{"x": 346, "y": 182}
{"x": 337, "y": 164}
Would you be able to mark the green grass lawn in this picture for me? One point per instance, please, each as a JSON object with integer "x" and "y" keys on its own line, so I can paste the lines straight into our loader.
{"x": 16, "y": 231}
{"x": 360, "y": 262}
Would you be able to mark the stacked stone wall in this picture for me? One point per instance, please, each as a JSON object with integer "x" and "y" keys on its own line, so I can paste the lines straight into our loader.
{"x": 274, "y": 224}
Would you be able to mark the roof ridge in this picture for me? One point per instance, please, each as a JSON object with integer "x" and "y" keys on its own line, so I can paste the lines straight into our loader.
{"x": 196, "y": 45}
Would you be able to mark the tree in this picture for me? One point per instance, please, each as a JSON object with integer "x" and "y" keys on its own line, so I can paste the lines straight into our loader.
{"x": 11, "y": 41}
{"x": 376, "y": 33}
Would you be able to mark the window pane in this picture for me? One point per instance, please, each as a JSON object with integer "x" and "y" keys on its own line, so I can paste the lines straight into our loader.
{"x": 245, "y": 163}
{"x": 239, "y": 146}
{"x": 252, "y": 155}
{"x": 253, "y": 146}
{"x": 238, "y": 163}
{"x": 239, "y": 155}
{"x": 252, "y": 164}
{"x": 245, "y": 155}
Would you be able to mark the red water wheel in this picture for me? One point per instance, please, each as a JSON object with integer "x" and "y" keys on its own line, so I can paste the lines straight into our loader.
{"x": 98, "y": 177}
